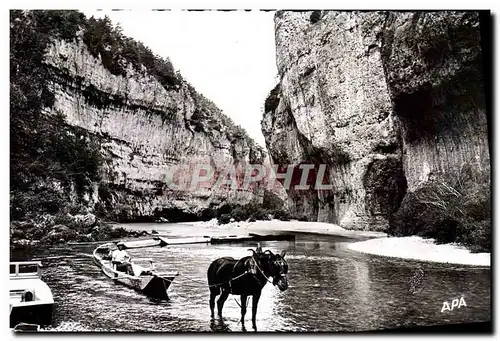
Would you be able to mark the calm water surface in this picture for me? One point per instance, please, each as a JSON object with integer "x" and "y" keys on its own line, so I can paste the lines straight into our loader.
{"x": 331, "y": 289}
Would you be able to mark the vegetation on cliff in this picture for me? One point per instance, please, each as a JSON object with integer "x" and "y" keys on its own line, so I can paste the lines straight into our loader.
{"x": 272, "y": 207}
{"x": 449, "y": 210}
{"x": 207, "y": 112}
{"x": 47, "y": 157}
{"x": 116, "y": 50}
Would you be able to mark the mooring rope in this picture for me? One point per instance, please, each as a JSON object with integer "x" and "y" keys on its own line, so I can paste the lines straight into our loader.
{"x": 248, "y": 297}
{"x": 191, "y": 279}
{"x": 228, "y": 282}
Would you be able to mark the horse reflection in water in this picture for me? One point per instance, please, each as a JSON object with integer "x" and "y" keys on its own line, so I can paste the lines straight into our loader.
{"x": 245, "y": 277}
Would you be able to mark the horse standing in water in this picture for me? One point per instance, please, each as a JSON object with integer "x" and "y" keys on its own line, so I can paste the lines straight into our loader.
{"x": 245, "y": 277}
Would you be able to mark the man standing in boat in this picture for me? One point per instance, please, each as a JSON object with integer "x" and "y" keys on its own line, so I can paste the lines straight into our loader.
{"x": 121, "y": 259}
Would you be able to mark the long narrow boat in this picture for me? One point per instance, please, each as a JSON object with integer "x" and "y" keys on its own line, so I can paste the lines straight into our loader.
{"x": 251, "y": 237}
{"x": 145, "y": 280}
{"x": 160, "y": 241}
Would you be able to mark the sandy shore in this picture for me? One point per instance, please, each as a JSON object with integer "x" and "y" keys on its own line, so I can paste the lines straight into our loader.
{"x": 421, "y": 249}
{"x": 266, "y": 226}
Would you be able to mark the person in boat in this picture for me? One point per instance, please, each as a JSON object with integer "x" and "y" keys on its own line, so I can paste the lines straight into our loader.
{"x": 121, "y": 259}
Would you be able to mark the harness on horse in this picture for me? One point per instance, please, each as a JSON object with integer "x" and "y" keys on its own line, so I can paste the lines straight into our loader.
{"x": 252, "y": 271}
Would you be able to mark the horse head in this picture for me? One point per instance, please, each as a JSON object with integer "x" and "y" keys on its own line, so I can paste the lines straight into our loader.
{"x": 274, "y": 266}
{"x": 279, "y": 269}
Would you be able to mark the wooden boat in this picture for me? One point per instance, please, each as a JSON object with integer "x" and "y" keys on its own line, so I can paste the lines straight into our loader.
{"x": 136, "y": 244}
{"x": 162, "y": 241}
{"x": 31, "y": 301}
{"x": 182, "y": 241}
{"x": 230, "y": 239}
{"x": 145, "y": 279}
{"x": 250, "y": 237}
{"x": 279, "y": 236}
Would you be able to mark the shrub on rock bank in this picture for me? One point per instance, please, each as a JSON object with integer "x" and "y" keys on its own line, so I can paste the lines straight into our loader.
{"x": 251, "y": 213}
{"x": 269, "y": 209}
{"x": 449, "y": 210}
{"x": 48, "y": 230}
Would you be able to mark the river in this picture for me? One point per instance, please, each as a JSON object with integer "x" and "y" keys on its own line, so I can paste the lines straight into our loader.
{"x": 331, "y": 289}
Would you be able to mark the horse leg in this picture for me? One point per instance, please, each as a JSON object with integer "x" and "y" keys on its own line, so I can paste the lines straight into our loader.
{"x": 243, "y": 308}
{"x": 213, "y": 293}
{"x": 255, "y": 301}
{"x": 221, "y": 300}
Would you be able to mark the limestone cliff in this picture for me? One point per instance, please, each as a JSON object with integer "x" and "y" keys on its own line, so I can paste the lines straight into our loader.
{"x": 139, "y": 143}
{"x": 139, "y": 123}
{"x": 386, "y": 99}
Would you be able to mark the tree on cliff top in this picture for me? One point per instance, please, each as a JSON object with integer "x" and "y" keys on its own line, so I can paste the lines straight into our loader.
{"x": 116, "y": 50}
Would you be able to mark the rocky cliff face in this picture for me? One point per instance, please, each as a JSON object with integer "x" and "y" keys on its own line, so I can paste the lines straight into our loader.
{"x": 143, "y": 130}
{"x": 387, "y": 99}
{"x": 140, "y": 126}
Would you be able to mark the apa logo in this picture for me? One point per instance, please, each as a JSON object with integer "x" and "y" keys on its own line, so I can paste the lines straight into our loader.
{"x": 455, "y": 303}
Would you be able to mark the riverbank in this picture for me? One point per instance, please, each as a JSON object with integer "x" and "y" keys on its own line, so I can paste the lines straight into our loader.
{"x": 48, "y": 230}
{"x": 378, "y": 243}
{"x": 264, "y": 226}
{"x": 418, "y": 248}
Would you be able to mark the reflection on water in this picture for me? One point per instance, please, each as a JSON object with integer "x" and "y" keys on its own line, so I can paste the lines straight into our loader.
{"x": 331, "y": 289}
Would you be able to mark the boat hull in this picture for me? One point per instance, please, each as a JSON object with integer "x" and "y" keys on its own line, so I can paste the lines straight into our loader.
{"x": 154, "y": 286}
{"x": 30, "y": 298}
{"x": 157, "y": 288}
{"x": 40, "y": 314}
{"x": 251, "y": 237}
